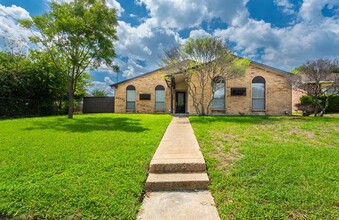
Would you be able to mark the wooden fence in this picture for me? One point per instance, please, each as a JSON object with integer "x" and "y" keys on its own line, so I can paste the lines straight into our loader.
{"x": 98, "y": 104}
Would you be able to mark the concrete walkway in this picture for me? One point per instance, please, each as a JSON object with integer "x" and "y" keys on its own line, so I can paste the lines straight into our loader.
{"x": 177, "y": 181}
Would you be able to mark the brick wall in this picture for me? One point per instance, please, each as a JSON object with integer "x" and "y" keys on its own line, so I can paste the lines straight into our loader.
{"x": 143, "y": 85}
{"x": 278, "y": 93}
{"x": 296, "y": 95}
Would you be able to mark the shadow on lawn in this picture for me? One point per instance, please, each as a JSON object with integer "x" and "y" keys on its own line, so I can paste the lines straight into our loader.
{"x": 89, "y": 124}
{"x": 259, "y": 120}
{"x": 237, "y": 119}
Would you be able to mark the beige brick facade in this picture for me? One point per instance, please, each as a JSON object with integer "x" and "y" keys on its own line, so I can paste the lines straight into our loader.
{"x": 278, "y": 93}
{"x": 296, "y": 95}
{"x": 143, "y": 85}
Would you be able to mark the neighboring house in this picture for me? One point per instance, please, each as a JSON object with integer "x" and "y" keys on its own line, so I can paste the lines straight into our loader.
{"x": 262, "y": 90}
{"x": 331, "y": 85}
{"x": 328, "y": 87}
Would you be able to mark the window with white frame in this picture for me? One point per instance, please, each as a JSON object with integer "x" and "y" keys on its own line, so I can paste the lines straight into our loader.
{"x": 258, "y": 93}
{"x": 130, "y": 98}
{"x": 218, "y": 101}
{"x": 159, "y": 98}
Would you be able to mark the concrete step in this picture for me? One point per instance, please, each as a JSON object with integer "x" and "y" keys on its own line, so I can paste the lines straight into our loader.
{"x": 176, "y": 181}
{"x": 177, "y": 166}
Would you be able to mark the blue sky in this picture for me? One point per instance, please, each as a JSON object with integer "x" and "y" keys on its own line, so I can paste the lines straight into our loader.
{"x": 279, "y": 33}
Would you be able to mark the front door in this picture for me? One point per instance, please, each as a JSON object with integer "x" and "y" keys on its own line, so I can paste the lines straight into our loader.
{"x": 180, "y": 102}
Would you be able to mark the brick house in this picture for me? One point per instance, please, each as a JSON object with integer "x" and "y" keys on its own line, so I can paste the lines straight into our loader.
{"x": 262, "y": 90}
{"x": 329, "y": 86}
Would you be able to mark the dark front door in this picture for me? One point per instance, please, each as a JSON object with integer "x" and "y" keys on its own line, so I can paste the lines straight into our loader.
{"x": 180, "y": 102}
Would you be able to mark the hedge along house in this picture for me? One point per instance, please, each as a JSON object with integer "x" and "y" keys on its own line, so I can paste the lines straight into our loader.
{"x": 263, "y": 90}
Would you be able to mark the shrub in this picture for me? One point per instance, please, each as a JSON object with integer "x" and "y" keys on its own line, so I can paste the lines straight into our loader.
{"x": 333, "y": 105}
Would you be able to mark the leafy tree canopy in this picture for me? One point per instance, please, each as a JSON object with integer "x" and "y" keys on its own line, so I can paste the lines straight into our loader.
{"x": 29, "y": 77}
{"x": 202, "y": 61}
{"x": 77, "y": 36}
{"x": 99, "y": 92}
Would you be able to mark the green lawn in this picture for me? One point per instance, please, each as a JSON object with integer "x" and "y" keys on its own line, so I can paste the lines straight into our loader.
{"x": 272, "y": 167}
{"x": 91, "y": 167}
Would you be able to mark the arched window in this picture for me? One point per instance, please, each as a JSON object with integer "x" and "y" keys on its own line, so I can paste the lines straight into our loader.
{"x": 218, "y": 86}
{"x": 258, "y": 93}
{"x": 159, "y": 98}
{"x": 130, "y": 98}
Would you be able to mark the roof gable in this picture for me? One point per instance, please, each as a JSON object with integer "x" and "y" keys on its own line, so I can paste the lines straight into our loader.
{"x": 273, "y": 69}
{"x": 136, "y": 77}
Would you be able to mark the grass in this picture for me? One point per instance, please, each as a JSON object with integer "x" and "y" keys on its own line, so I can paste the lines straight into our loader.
{"x": 272, "y": 167}
{"x": 91, "y": 167}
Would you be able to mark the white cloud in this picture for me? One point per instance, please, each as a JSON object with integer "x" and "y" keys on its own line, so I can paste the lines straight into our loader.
{"x": 10, "y": 30}
{"x": 14, "y": 12}
{"x": 232, "y": 12}
{"x": 147, "y": 41}
{"x": 310, "y": 10}
{"x": 116, "y": 5}
{"x": 147, "y": 50}
{"x": 249, "y": 38}
{"x": 179, "y": 14}
{"x": 334, "y": 7}
{"x": 288, "y": 47}
{"x": 143, "y": 43}
{"x": 199, "y": 33}
{"x": 102, "y": 86}
{"x": 176, "y": 14}
{"x": 287, "y": 7}
{"x": 311, "y": 36}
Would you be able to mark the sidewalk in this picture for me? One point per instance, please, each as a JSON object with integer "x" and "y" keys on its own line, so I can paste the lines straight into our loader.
{"x": 177, "y": 181}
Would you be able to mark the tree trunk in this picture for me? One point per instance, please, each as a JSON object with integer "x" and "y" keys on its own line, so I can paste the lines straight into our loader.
{"x": 316, "y": 106}
{"x": 325, "y": 107}
{"x": 202, "y": 109}
{"x": 70, "y": 98}
{"x": 202, "y": 99}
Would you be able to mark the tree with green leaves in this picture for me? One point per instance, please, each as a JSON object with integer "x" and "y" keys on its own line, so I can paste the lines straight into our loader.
{"x": 99, "y": 92}
{"x": 205, "y": 63}
{"x": 317, "y": 78}
{"x": 50, "y": 80}
{"x": 55, "y": 82}
{"x": 30, "y": 84}
{"x": 77, "y": 36}
{"x": 15, "y": 70}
